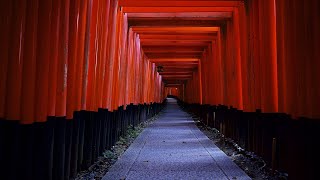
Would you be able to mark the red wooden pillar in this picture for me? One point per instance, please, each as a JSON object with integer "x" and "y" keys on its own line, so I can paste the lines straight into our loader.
{"x": 256, "y": 54}
{"x": 291, "y": 55}
{"x": 216, "y": 73}
{"x": 200, "y": 83}
{"x": 268, "y": 54}
{"x": 282, "y": 58}
{"x": 123, "y": 58}
{"x": 53, "y": 65}
{"x": 223, "y": 55}
{"x": 43, "y": 60}
{"x": 60, "y": 155}
{"x": 116, "y": 60}
{"x": 230, "y": 67}
{"x": 99, "y": 60}
{"x": 246, "y": 67}
{"x": 80, "y": 71}
{"x": 129, "y": 76}
{"x": 251, "y": 106}
{"x": 63, "y": 51}
{"x": 209, "y": 76}
{"x": 136, "y": 64}
{"x": 29, "y": 64}
{"x": 106, "y": 29}
{"x": 204, "y": 76}
{"x": 303, "y": 58}
{"x": 111, "y": 52}
{"x": 73, "y": 62}
{"x": 15, "y": 62}
{"x": 238, "y": 101}
{"x": 103, "y": 35}
{"x": 315, "y": 113}
{"x": 146, "y": 79}
{"x": 218, "y": 69}
{"x": 28, "y": 90}
{"x": 6, "y": 23}
{"x": 12, "y": 17}
{"x": 262, "y": 52}
{"x": 308, "y": 56}
{"x": 90, "y": 55}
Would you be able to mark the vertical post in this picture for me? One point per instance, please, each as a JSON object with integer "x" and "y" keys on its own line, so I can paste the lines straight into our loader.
{"x": 15, "y": 62}
{"x": 43, "y": 60}
{"x": 53, "y": 64}
{"x": 5, "y": 24}
{"x": 200, "y": 81}
{"x": 237, "y": 51}
{"x": 29, "y": 64}
{"x": 268, "y": 50}
{"x": 80, "y": 71}
{"x": 63, "y": 51}
{"x": 274, "y": 151}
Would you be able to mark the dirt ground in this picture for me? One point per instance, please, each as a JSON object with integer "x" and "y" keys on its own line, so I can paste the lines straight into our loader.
{"x": 109, "y": 157}
{"x": 252, "y": 164}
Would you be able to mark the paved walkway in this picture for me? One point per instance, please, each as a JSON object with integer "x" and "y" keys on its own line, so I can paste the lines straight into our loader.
{"x": 174, "y": 148}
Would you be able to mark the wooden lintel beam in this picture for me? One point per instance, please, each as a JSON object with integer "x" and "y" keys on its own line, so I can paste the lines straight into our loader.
{"x": 175, "y": 40}
{"x": 161, "y": 49}
{"x": 176, "y": 84}
{"x": 177, "y": 79}
{"x": 176, "y": 29}
{"x": 162, "y": 37}
{"x": 156, "y": 22}
{"x": 178, "y": 69}
{"x": 172, "y": 3}
{"x": 176, "y": 76}
{"x": 174, "y": 60}
{"x": 183, "y": 15}
{"x": 175, "y": 9}
{"x": 176, "y": 73}
{"x": 176, "y": 43}
{"x": 180, "y": 65}
{"x": 181, "y": 55}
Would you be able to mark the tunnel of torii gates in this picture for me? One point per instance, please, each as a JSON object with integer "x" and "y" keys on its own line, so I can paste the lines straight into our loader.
{"x": 75, "y": 73}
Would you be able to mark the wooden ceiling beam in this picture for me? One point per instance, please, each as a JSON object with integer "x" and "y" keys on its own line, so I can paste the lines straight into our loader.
{"x": 172, "y": 3}
{"x": 177, "y": 75}
{"x": 156, "y": 22}
{"x": 176, "y": 43}
{"x": 154, "y": 55}
{"x": 177, "y": 65}
{"x": 176, "y": 29}
{"x": 177, "y": 69}
{"x": 177, "y": 79}
{"x": 178, "y": 72}
{"x": 161, "y": 37}
{"x": 183, "y": 15}
{"x": 192, "y": 60}
{"x": 173, "y": 85}
{"x": 160, "y": 49}
{"x": 175, "y": 9}
{"x": 174, "y": 40}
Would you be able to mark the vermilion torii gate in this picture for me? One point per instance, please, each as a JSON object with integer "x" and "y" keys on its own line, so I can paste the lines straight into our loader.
{"x": 62, "y": 57}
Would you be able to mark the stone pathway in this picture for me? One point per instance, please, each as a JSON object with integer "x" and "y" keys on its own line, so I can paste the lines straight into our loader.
{"x": 174, "y": 148}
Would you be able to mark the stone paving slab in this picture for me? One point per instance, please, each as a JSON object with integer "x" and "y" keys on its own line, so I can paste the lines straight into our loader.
{"x": 174, "y": 148}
